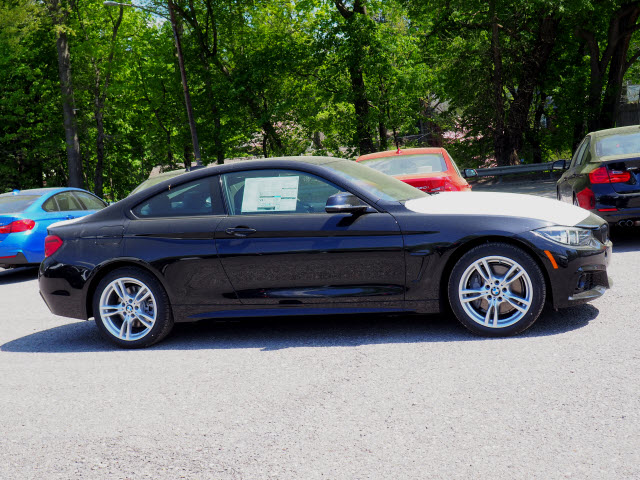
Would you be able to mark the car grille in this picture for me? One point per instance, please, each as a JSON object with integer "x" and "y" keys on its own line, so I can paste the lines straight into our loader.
{"x": 590, "y": 280}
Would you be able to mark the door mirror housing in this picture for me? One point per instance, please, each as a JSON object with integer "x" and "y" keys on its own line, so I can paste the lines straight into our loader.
{"x": 469, "y": 172}
{"x": 559, "y": 165}
{"x": 345, "y": 202}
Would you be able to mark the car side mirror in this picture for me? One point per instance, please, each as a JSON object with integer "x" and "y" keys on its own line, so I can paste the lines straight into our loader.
{"x": 559, "y": 165}
{"x": 345, "y": 202}
{"x": 469, "y": 172}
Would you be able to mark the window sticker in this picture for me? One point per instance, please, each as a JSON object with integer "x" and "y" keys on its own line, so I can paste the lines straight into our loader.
{"x": 271, "y": 194}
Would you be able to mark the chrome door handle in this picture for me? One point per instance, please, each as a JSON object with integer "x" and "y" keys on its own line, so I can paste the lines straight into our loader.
{"x": 240, "y": 231}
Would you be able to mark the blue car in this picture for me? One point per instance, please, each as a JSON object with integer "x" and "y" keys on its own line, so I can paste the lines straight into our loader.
{"x": 26, "y": 214}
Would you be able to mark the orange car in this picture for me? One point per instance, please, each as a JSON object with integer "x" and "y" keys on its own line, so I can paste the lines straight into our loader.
{"x": 428, "y": 169}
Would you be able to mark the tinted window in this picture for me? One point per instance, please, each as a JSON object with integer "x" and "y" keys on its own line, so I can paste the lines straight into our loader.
{"x": 189, "y": 199}
{"x": 16, "y": 203}
{"x": 408, "y": 164}
{"x": 65, "y": 202}
{"x": 276, "y": 191}
{"x": 50, "y": 205}
{"x": 586, "y": 154}
{"x": 89, "y": 202}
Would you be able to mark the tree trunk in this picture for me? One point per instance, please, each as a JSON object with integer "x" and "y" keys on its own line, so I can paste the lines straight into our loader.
{"x": 497, "y": 87}
{"x": 618, "y": 67}
{"x": 361, "y": 105}
{"x": 74, "y": 159}
{"x": 384, "y": 141}
{"x": 533, "y": 67}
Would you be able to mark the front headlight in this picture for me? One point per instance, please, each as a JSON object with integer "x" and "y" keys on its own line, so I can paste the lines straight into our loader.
{"x": 573, "y": 236}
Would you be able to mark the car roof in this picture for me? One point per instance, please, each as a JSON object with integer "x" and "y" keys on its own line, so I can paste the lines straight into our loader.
{"x": 400, "y": 151}
{"x": 616, "y": 131}
{"x": 41, "y": 191}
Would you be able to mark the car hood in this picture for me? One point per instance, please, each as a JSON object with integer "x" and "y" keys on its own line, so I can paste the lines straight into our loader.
{"x": 499, "y": 204}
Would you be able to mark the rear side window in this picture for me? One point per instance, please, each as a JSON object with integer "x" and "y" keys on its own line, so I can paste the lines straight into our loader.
{"x": 16, "y": 203}
{"x": 190, "y": 199}
{"x": 62, "y": 202}
{"x": 89, "y": 202}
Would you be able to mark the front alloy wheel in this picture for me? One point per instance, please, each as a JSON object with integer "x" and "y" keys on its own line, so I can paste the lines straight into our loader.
{"x": 132, "y": 309}
{"x": 496, "y": 289}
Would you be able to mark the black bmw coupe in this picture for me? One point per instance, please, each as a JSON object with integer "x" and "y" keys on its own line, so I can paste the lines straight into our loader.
{"x": 315, "y": 235}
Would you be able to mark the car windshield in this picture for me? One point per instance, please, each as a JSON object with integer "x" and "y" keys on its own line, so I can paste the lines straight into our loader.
{"x": 408, "y": 164}
{"x": 16, "y": 203}
{"x": 618, "y": 145}
{"x": 378, "y": 184}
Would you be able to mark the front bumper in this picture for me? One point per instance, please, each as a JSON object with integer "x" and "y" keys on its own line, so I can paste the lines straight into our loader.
{"x": 579, "y": 274}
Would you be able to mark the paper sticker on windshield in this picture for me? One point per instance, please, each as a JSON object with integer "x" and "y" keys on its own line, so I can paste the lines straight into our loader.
{"x": 271, "y": 194}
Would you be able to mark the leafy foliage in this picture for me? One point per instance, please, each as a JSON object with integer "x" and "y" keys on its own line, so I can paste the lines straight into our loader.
{"x": 277, "y": 77}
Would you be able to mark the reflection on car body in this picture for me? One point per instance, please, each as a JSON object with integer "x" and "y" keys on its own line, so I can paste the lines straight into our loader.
{"x": 429, "y": 169}
{"x": 309, "y": 235}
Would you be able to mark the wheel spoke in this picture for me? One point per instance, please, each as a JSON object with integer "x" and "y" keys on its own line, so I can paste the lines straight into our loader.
{"x": 123, "y": 329}
{"x": 477, "y": 294}
{"x": 516, "y": 277}
{"x": 514, "y": 268}
{"x": 517, "y": 301}
{"x": 488, "y": 314}
{"x": 483, "y": 264}
{"x": 109, "y": 310}
{"x": 120, "y": 290}
{"x": 146, "y": 320}
{"x": 142, "y": 295}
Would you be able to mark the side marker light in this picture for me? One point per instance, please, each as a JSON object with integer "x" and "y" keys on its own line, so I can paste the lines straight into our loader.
{"x": 551, "y": 259}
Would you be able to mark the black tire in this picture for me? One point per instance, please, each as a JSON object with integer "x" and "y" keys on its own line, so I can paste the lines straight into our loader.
{"x": 126, "y": 322}
{"x": 575, "y": 200}
{"x": 497, "y": 310}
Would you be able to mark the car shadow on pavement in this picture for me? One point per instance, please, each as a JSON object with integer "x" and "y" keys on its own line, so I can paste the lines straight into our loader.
{"x": 17, "y": 275}
{"x": 291, "y": 332}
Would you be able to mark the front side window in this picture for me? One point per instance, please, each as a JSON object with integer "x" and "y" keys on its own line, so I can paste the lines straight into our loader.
{"x": 275, "y": 191}
{"x": 586, "y": 155}
{"x": 578, "y": 154}
{"x": 190, "y": 199}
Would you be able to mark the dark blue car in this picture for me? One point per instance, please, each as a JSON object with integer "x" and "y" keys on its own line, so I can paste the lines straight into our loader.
{"x": 26, "y": 214}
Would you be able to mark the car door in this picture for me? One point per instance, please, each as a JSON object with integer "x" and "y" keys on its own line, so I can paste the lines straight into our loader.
{"x": 174, "y": 231}
{"x": 568, "y": 178}
{"x": 279, "y": 246}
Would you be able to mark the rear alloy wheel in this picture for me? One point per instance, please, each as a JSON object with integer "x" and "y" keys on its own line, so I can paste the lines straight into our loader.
{"x": 132, "y": 309}
{"x": 496, "y": 290}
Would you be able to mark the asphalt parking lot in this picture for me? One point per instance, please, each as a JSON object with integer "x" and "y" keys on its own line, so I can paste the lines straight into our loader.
{"x": 310, "y": 398}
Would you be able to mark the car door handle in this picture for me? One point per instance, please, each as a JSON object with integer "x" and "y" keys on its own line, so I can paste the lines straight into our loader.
{"x": 240, "y": 231}
{"x": 69, "y": 217}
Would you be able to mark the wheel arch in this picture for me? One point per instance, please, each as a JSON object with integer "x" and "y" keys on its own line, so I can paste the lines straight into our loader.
{"x": 464, "y": 248}
{"x": 106, "y": 269}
